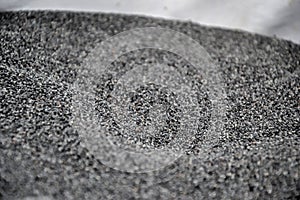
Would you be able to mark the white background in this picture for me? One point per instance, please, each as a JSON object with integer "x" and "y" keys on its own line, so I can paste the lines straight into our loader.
{"x": 269, "y": 17}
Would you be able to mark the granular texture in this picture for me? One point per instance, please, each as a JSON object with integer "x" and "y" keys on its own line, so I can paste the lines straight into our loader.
{"x": 41, "y": 154}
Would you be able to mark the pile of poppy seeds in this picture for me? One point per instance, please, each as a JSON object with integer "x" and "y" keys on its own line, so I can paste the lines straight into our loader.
{"x": 256, "y": 154}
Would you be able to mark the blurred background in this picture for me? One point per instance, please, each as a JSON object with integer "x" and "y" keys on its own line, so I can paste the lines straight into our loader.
{"x": 268, "y": 17}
